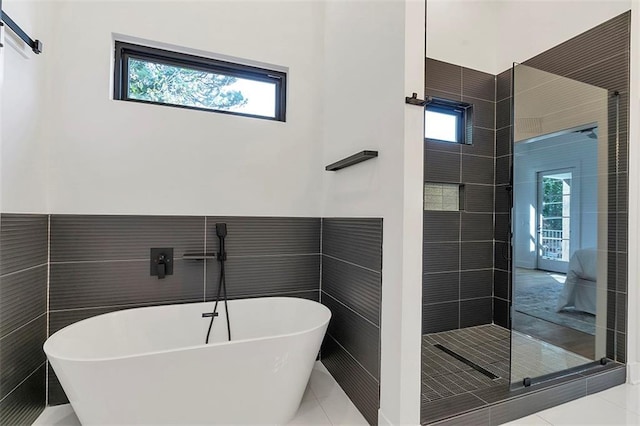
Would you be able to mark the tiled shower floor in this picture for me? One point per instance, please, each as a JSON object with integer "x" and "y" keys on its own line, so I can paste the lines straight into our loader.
{"x": 489, "y": 347}
{"x": 444, "y": 376}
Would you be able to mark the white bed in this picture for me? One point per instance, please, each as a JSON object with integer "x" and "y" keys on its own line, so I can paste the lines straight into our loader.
{"x": 580, "y": 287}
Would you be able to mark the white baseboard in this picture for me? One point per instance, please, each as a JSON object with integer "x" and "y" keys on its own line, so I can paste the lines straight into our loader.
{"x": 382, "y": 419}
{"x": 633, "y": 373}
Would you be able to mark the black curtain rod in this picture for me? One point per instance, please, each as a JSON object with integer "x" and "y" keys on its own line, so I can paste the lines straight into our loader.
{"x": 35, "y": 45}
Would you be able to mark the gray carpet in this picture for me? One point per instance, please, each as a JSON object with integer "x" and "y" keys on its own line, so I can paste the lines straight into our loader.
{"x": 536, "y": 294}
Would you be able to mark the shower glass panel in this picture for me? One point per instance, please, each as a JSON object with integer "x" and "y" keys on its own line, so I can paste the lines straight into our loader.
{"x": 559, "y": 224}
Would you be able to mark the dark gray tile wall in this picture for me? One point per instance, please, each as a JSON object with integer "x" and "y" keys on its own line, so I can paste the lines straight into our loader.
{"x": 599, "y": 57}
{"x": 100, "y": 264}
{"x": 25, "y": 403}
{"x": 504, "y": 161}
{"x": 23, "y": 316}
{"x": 458, "y": 251}
{"x": 351, "y": 287}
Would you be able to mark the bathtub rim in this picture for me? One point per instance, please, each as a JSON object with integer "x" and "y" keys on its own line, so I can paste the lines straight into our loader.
{"x": 184, "y": 348}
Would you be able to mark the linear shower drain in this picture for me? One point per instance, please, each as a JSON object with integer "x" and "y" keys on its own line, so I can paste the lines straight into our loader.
{"x": 470, "y": 363}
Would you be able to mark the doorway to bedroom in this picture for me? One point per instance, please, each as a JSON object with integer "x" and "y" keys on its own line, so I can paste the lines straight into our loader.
{"x": 557, "y": 186}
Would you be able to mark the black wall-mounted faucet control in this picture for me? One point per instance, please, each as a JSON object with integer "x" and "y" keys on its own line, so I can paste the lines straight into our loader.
{"x": 161, "y": 262}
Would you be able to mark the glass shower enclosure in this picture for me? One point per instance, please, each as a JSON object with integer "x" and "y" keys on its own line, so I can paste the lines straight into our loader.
{"x": 561, "y": 134}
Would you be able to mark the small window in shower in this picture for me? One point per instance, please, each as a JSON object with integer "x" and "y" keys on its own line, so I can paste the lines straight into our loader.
{"x": 442, "y": 196}
{"x": 448, "y": 121}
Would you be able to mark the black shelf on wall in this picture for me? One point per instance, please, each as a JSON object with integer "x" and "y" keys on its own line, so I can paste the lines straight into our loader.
{"x": 351, "y": 160}
{"x": 199, "y": 256}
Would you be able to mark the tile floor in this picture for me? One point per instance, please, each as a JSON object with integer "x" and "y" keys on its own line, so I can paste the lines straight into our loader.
{"x": 443, "y": 375}
{"x": 616, "y": 406}
{"x": 324, "y": 403}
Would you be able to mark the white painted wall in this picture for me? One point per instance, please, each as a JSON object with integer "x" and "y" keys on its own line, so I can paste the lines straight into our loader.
{"x": 25, "y": 140}
{"x": 374, "y": 57}
{"x": 489, "y": 35}
{"x": 125, "y": 158}
{"x": 463, "y": 32}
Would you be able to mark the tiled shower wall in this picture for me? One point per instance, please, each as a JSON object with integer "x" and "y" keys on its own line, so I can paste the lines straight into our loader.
{"x": 23, "y": 319}
{"x": 599, "y": 57}
{"x": 100, "y": 264}
{"x": 351, "y": 287}
{"x": 457, "y": 284}
{"x": 502, "y": 263}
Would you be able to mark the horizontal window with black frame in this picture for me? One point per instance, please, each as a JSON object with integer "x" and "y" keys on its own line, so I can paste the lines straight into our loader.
{"x": 161, "y": 77}
{"x": 448, "y": 121}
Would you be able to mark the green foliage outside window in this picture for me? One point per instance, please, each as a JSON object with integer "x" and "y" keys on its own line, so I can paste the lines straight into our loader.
{"x": 162, "y": 83}
{"x": 552, "y": 203}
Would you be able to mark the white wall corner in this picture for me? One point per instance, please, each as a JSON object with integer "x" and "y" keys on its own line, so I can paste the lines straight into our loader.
{"x": 401, "y": 304}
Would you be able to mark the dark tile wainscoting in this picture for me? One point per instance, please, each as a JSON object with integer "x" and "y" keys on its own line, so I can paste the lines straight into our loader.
{"x": 60, "y": 269}
{"x": 100, "y": 264}
{"x": 23, "y": 316}
{"x": 351, "y": 287}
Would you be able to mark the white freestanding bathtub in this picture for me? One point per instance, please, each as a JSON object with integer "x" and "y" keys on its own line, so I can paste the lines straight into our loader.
{"x": 151, "y": 366}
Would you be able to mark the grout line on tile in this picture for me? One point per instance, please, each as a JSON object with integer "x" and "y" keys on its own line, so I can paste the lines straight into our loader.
{"x": 30, "y": 268}
{"x": 253, "y": 256}
{"x": 456, "y": 270}
{"x": 67, "y": 262}
{"x": 321, "y": 263}
{"x": 130, "y": 305}
{"x": 461, "y": 242}
{"x": 274, "y": 294}
{"x": 23, "y": 380}
{"x": 354, "y": 358}
{"x": 352, "y": 310}
{"x": 48, "y": 332}
{"x": 204, "y": 278}
{"x": 185, "y": 259}
{"x": 322, "y": 406}
{"x": 352, "y": 264}
{"x": 24, "y": 325}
